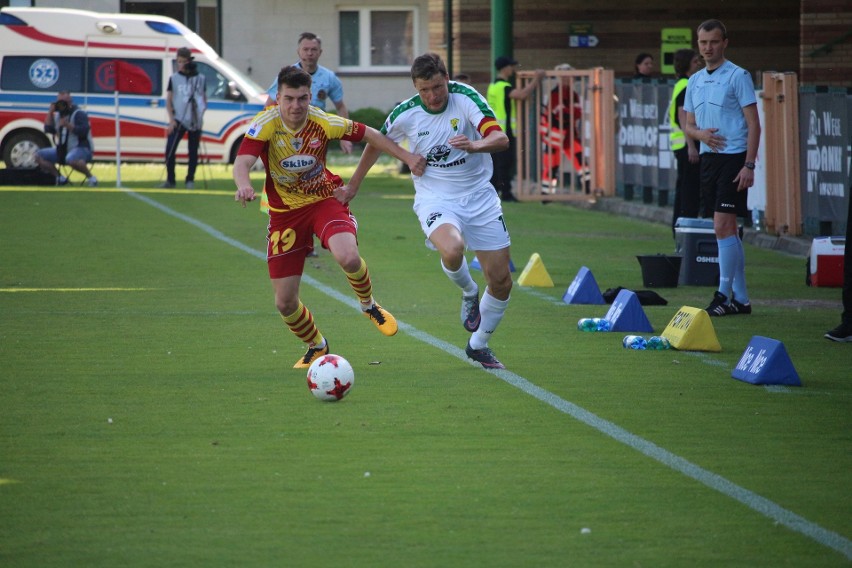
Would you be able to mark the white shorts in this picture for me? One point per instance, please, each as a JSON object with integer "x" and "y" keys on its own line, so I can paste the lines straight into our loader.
{"x": 477, "y": 216}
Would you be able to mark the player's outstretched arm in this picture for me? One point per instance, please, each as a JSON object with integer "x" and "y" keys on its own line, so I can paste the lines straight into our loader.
{"x": 415, "y": 162}
{"x": 495, "y": 141}
{"x": 347, "y": 192}
{"x": 376, "y": 144}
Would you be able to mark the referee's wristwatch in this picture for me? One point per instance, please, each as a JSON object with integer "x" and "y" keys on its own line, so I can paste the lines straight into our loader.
{"x": 749, "y": 165}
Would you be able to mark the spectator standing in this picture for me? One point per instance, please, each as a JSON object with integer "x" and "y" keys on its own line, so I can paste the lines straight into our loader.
{"x": 563, "y": 115}
{"x": 305, "y": 198}
{"x": 721, "y": 112}
{"x": 72, "y": 135}
{"x": 186, "y": 101}
{"x": 843, "y": 332}
{"x": 644, "y": 66}
{"x": 687, "y": 200}
{"x": 501, "y": 96}
{"x": 453, "y": 126}
{"x": 326, "y": 85}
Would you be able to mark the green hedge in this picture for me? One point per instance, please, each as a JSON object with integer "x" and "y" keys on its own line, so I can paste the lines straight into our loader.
{"x": 370, "y": 116}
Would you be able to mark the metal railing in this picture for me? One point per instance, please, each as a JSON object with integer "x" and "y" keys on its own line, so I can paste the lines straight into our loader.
{"x": 566, "y": 130}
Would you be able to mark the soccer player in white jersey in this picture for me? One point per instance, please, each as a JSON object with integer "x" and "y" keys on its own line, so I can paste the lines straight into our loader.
{"x": 452, "y": 125}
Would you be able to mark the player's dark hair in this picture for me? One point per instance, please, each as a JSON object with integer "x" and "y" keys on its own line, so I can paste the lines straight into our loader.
{"x": 682, "y": 60}
{"x": 427, "y": 66}
{"x": 294, "y": 77}
{"x": 710, "y": 25}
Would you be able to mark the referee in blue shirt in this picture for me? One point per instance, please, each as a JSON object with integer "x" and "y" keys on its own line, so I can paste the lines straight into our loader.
{"x": 721, "y": 112}
{"x": 324, "y": 82}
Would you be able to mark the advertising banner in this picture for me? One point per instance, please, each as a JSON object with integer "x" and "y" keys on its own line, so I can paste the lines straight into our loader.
{"x": 824, "y": 141}
{"x": 644, "y": 156}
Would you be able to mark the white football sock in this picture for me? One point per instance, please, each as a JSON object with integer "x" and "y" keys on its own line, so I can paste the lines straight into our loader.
{"x": 462, "y": 278}
{"x": 491, "y": 310}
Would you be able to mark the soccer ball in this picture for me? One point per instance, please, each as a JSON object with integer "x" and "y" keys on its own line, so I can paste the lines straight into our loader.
{"x": 330, "y": 377}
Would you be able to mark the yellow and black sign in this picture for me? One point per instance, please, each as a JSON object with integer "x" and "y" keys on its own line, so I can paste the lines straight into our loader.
{"x": 673, "y": 39}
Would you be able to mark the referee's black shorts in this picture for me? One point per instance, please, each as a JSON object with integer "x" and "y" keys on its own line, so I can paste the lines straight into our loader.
{"x": 717, "y": 182}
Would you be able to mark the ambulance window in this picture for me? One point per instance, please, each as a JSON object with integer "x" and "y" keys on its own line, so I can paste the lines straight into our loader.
{"x": 218, "y": 87}
{"x": 42, "y": 74}
{"x": 101, "y": 77}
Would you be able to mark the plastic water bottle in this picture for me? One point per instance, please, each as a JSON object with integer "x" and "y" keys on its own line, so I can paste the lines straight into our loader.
{"x": 634, "y": 342}
{"x": 658, "y": 343}
{"x": 594, "y": 324}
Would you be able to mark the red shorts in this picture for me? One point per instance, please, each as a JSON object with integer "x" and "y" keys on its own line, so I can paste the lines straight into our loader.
{"x": 291, "y": 234}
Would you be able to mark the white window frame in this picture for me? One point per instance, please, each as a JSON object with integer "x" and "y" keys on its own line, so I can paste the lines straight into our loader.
{"x": 365, "y": 39}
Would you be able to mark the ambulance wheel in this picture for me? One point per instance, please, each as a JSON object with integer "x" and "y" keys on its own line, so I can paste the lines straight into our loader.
{"x": 19, "y": 149}
{"x": 234, "y": 149}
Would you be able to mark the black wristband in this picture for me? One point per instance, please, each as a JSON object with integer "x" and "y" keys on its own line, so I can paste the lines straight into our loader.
{"x": 749, "y": 165}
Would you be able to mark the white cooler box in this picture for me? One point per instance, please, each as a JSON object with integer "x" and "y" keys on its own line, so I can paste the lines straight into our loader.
{"x": 825, "y": 262}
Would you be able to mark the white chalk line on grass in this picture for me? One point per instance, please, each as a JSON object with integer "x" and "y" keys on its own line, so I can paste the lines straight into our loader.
{"x": 748, "y": 498}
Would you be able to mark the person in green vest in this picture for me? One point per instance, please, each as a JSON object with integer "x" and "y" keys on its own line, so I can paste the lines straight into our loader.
{"x": 501, "y": 97}
{"x": 687, "y": 200}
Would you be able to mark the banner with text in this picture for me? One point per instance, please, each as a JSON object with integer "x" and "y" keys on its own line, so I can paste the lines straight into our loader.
{"x": 644, "y": 155}
{"x": 825, "y": 136}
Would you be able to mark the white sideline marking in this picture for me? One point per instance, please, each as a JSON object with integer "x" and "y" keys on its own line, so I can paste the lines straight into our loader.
{"x": 748, "y": 498}
{"x": 539, "y": 295}
{"x": 706, "y": 359}
{"x": 794, "y": 390}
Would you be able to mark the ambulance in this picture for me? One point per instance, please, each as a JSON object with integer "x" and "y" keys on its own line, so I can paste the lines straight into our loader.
{"x": 47, "y": 50}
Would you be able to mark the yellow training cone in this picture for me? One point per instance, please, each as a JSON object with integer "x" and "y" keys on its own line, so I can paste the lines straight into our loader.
{"x": 535, "y": 274}
{"x": 692, "y": 330}
{"x": 264, "y": 201}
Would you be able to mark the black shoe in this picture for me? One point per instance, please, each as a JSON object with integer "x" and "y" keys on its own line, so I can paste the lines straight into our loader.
{"x": 842, "y": 333}
{"x": 484, "y": 357}
{"x": 740, "y": 309}
{"x": 720, "y": 306}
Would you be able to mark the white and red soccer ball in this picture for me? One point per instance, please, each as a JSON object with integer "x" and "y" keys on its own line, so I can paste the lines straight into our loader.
{"x": 330, "y": 378}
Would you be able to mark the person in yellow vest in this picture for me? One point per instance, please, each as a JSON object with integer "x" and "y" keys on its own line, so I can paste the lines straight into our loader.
{"x": 501, "y": 97}
{"x": 687, "y": 200}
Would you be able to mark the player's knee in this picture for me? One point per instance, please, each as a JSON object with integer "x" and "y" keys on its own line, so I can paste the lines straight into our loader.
{"x": 453, "y": 258}
{"x": 286, "y": 306}
{"x": 499, "y": 283}
{"x": 452, "y": 252}
{"x": 348, "y": 259}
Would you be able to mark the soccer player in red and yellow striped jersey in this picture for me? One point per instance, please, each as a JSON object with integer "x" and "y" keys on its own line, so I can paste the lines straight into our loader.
{"x": 306, "y": 199}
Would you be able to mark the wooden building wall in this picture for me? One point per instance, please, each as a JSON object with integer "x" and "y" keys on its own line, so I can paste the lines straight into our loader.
{"x": 826, "y": 43}
{"x": 764, "y": 36}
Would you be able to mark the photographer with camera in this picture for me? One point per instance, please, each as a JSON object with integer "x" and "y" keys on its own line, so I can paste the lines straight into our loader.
{"x": 72, "y": 136}
{"x": 186, "y": 101}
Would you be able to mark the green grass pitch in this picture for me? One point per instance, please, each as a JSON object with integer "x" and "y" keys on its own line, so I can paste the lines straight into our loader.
{"x": 149, "y": 414}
